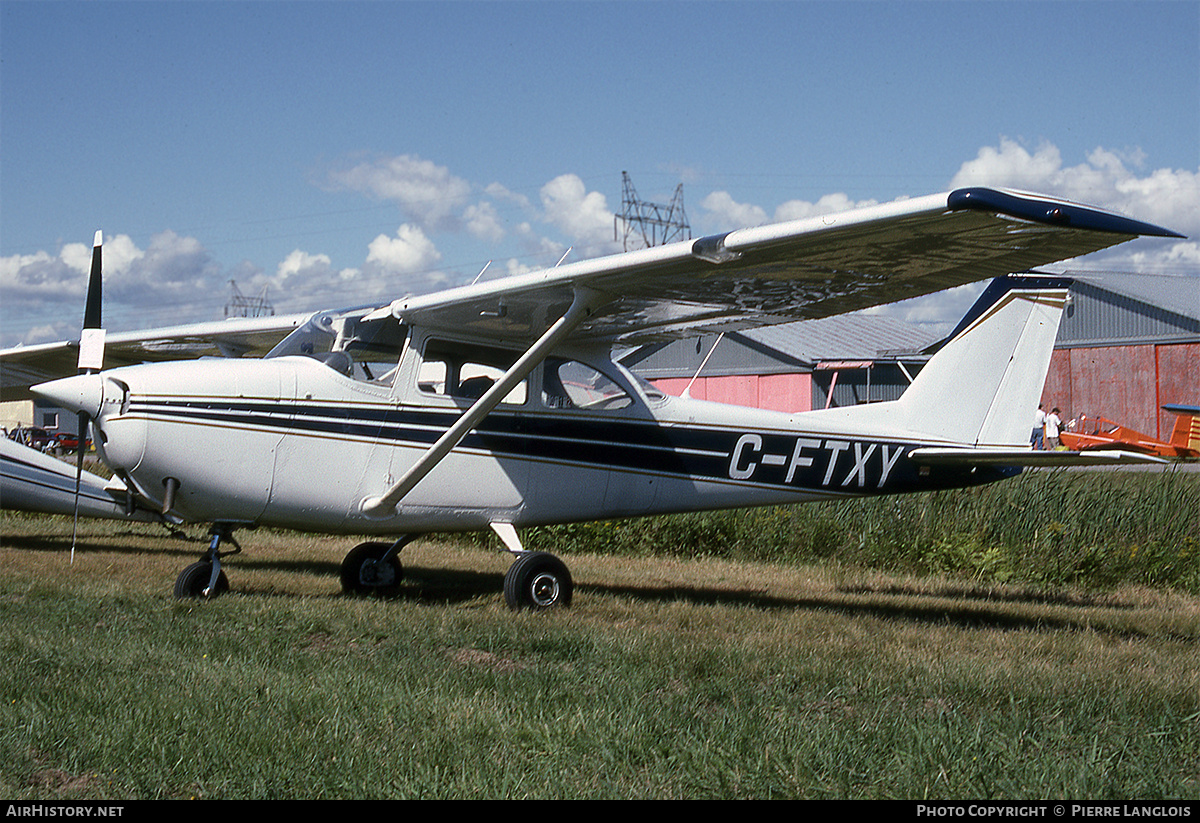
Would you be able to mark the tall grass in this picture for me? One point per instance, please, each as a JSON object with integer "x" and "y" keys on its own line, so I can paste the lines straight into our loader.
{"x": 1086, "y": 529}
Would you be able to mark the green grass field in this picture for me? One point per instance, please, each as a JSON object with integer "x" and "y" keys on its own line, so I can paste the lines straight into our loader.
{"x": 1000, "y": 643}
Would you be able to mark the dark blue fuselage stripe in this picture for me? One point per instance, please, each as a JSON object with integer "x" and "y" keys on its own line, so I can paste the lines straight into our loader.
{"x": 782, "y": 459}
{"x": 615, "y": 444}
{"x": 368, "y": 422}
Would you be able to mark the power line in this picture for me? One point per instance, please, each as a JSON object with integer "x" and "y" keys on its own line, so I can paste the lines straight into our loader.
{"x": 642, "y": 225}
{"x": 241, "y": 306}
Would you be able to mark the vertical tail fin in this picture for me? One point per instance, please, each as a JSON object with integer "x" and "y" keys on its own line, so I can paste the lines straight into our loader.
{"x": 982, "y": 386}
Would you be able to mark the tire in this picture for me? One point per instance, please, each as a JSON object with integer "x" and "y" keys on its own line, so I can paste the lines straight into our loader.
{"x": 193, "y": 580}
{"x": 538, "y": 581}
{"x": 365, "y": 572}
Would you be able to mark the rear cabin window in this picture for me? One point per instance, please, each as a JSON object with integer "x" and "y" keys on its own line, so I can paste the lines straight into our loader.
{"x": 466, "y": 372}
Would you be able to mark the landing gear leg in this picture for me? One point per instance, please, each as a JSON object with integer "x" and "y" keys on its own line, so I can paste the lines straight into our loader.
{"x": 205, "y": 579}
{"x": 374, "y": 568}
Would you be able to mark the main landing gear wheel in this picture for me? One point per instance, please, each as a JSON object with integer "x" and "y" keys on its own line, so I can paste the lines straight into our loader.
{"x": 372, "y": 568}
{"x": 195, "y": 582}
{"x": 538, "y": 581}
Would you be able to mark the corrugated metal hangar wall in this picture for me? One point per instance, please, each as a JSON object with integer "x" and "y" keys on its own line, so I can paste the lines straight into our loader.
{"x": 1127, "y": 345}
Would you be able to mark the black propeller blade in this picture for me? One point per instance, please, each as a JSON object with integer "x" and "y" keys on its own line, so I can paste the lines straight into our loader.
{"x": 91, "y": 360}
{"x": 91, "y": 309}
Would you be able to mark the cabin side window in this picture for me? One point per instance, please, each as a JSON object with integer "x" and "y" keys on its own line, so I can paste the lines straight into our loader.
{"x": 570, "y": 384}
{"x": 465, "y": 371}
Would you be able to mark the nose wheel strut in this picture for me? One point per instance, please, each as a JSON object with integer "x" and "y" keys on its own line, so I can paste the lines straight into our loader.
{"x": 205, "y": 579}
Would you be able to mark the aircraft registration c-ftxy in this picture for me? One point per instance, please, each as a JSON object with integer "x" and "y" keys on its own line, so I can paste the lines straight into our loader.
{"x": 500, "y": 404}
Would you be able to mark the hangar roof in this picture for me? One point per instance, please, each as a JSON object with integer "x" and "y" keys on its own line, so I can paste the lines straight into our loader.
{"x": 1175, "y": 293}
{"x": 1106, "y": 308}
{"x": 847, "y": 337}
{"x": 792, "y": 347}
{"x": 1130, "y": 309}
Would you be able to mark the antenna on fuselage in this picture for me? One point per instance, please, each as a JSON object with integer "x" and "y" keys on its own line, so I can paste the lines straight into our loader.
{"x": 688, "y": 391}
{"x": 481, "y": 271}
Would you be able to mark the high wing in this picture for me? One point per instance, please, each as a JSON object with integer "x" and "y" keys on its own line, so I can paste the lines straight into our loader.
{"x": 25, "y": 366}
{"x": 804, "y": 269}
{"x": 780, "y": 273}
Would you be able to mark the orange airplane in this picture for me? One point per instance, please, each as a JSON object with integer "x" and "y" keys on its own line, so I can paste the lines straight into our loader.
{"x": 1097, "y": 433}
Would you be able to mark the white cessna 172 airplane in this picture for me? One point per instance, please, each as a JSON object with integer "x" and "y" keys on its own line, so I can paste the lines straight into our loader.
{"x": 499, "y": 404}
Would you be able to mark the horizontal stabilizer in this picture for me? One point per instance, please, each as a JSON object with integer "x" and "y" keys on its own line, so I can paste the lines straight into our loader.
{"x": 1028, "y": 458}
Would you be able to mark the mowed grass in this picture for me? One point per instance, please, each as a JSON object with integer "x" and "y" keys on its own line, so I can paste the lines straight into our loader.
{"x": 670, "y": 677}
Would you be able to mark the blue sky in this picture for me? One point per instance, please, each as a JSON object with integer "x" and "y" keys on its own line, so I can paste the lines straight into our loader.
{"x": 343, "y": 153}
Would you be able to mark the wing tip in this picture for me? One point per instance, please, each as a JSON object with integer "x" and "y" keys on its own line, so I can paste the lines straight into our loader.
{"x": 1040, "y": 209}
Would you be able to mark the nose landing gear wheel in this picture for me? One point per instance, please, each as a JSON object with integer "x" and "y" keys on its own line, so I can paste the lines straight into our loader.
{"x": 538, "y": 581}
{"x": 205, "y": 578}
{"x": 194, "y": 582}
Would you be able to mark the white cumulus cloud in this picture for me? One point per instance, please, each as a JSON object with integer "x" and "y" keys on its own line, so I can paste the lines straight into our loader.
{"x": 428, "y": 194}
{"x": 483, "y": 221}
{"x": 44, "y": 292}
{"x": 724, "y": 211}
{"x": 584, "y": 216}
{"x": 827, "y": 204}
{"x": 408, "y": 251}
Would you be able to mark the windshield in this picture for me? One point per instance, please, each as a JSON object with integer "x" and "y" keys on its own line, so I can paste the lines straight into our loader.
{"x": 365, "y": 350}
{"x": 570, "y": 384}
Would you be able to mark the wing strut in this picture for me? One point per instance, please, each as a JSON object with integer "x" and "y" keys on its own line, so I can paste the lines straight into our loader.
{"x": 585, "y": 301}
